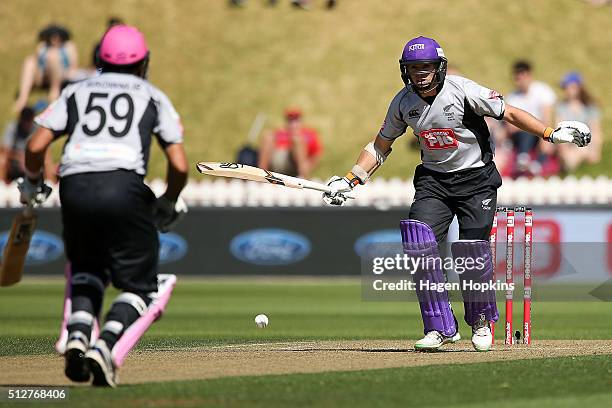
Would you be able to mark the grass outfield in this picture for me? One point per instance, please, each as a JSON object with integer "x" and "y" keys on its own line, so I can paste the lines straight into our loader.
{"x": 562, "y": 382}
{"x": 214, "y": 312}
{"x": 220, "y": 312}
{"x": 222, "y": 66}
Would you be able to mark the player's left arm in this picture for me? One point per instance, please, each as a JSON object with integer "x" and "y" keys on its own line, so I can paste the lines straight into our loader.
{"x": 565, "y": 132}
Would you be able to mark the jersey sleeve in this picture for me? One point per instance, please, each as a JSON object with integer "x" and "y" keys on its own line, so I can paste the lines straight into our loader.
{"x": 169, "y": 128}
{"x": 484, "y": 101}
{"x": 394, "y": 126}
{"x": 55, "y": 117}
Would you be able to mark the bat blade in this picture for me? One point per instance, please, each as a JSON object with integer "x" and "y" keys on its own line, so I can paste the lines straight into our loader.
{"x": 16, "y": 249}
{"x": 244, "y": 172}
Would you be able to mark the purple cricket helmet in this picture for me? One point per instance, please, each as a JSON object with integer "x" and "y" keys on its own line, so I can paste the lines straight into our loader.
{"x": 423, "y": 50}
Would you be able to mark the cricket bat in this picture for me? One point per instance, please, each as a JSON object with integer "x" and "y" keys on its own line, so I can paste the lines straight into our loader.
{"x": 17, "y": 245}
{"x": 244, "y": 172}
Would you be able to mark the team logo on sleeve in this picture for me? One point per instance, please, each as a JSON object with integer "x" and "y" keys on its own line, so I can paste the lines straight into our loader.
{"x": 438, "y": 139}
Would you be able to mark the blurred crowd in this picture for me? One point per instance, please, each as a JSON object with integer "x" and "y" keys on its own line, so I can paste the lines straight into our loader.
{"x": 53, "y": 64}
{"x": 519, "y": 153}
{"x": 296, "y": 149}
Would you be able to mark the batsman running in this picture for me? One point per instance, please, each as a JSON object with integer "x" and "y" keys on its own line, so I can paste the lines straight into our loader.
{"x": 457, "y": 177}
{"x": 110, "y": 217}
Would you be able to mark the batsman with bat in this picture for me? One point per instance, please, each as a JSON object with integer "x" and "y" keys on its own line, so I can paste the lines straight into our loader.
{"x": 457, "y": 177}
{"x": 110, "y": 217}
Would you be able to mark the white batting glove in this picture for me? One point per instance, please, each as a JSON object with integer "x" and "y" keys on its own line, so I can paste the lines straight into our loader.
{"x": 33, "y": 192}
{"x": 167, "y": 213}
{"x": 571, "y": 131}
{"x": 339, "y": 186}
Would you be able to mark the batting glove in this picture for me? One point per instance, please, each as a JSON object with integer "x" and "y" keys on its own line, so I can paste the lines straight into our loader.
{"x": 571, "y": 131}
{"x": 167, "y": 213}
{"x": 33, "y": 192}
{"x": 339, "y": 186}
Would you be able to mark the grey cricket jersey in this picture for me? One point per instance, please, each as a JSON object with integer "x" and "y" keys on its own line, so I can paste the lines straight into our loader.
{"x": 452, "y": 132}
{"x": 110, "y": 120}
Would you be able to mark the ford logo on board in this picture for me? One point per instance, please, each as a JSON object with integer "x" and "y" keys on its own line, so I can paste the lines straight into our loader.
{"x": 172, "y": 247}
{"x": 270, "y": 246}
{"x": 381, "y": 240}
{"x": 44, "y": 247}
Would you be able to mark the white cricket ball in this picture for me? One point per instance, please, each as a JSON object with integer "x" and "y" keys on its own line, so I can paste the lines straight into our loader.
{"x": 261, "y": 321}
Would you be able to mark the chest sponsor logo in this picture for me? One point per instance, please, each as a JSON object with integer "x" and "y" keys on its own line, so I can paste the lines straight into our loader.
{"x": 413, "y": 113}
{"x": 437, "y": 139}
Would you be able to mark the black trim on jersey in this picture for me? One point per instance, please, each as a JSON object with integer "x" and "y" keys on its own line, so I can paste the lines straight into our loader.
{"x": 477, "y": 125}
{"x": 145, "y": 129}
{"x": 72, "y": 118}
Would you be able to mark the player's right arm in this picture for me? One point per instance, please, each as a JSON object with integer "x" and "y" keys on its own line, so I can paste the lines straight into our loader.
{"x": 373, "y": 154}
{"x": 370, "y": 159}
{"x": 177, "y": 170}
{"x": 169, "y": 208}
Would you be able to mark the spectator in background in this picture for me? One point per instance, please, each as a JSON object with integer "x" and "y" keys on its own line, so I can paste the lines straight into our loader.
{"x": 12, "y": 150}
{"x": 53, "y": 62}
{"x": 578, "y": 104}
{"x": 294, "y": 150}
{"x": 537, "y": 98}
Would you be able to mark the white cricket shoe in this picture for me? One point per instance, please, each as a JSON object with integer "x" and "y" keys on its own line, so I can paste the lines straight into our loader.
{"x": 101, "y": 365}
{"x": 482, "y": 339}
{"x": 433, "y": 340}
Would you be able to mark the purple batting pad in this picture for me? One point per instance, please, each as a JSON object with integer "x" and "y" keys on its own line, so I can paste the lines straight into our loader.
{"x": 419, "y": 241}
{"x": 477, "y": 301}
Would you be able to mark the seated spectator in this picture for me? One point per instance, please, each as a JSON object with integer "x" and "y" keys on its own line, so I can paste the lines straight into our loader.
{"x": 532, "y": 155}
{"x": 294, "y": 150}
{"x": 578, "y": 104}
{"x": 53, "y": 62}
{"x": 12, "y": 150}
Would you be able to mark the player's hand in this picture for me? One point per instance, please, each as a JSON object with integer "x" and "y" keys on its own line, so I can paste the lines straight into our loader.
{"x": 33, "y": 192}
{"x": 339, "y": 186}
{"x": 167, "y": 213}
{"x": 571, "y": 131}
